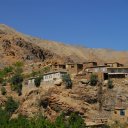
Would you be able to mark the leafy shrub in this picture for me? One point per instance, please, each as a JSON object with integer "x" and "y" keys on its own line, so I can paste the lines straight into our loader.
{"x": 38, "y": 81}
{"x": 3, "y": 91}
{"x": 75, "y": 121}
{"x": 67, "y": 80}
{"x": 33, "y": 73}
{"x": 4, "y": 82}
{"x": 11, "y": 105}
{"x": 110, "y": 84}
{"x": 8, "y": 69}
{"x": 93, "y": 79}
{"x": 16, "y": 82}
{"x": 4, "y": 118}
{"x": 60, "y": 121}
{"x": 46, "y": 69}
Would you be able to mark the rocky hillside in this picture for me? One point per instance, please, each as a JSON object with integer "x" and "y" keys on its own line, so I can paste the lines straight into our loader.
{"x": 51, "y": 100}
{"x": 17, "y": 46}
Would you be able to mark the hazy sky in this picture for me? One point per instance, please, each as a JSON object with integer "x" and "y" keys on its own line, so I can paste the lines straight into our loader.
{"x": 91, "y": 23}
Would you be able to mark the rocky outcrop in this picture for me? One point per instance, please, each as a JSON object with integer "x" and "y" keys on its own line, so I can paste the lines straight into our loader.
{"x": 58, "y": 82}
{"x": 51, "y": 102}
{"x": 28, "y": 50}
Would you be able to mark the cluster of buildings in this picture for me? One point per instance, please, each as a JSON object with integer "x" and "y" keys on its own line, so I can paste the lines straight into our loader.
{"x": 104, "y": 72}
{"x": 84, "y": 70}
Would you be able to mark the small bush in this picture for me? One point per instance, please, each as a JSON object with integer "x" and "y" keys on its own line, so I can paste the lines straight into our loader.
{"x": 76, "y": 121}
{"x": 93, "y": 79}
{"x": 4, "y": 82}
{"x": 16, "y": 82}
{"x": 38, "y": 81}
{"x": 46, "y": 69}
{"x": 8, "y": 69}
{"x": 110, "y": 84}
{"x": 3, "y": 91}
{"x": 11, "y": 105}
{"x": 67, "y": 80}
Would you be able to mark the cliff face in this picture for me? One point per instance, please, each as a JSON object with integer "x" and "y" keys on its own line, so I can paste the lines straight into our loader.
{"x": 14, "y": 47}
{"x": 19, "y": 48}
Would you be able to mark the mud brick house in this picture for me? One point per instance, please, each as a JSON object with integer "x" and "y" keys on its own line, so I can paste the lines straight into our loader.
{"x": 89, "y": 64}
{"x": 117, "y": 72}
{"x": 53, "y": 76}
{"x": 31, "y": 81}
{"x": 74, "y": 68}
{"x": 100, "y": 70}
{"x": 56, "y": 67}
{"x": 115, "y": 64}
{"x": 120, "y": 113}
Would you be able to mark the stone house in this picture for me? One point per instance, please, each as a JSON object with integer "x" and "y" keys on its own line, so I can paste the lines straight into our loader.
{"x": 53, "y": 76}
{"x": 74, "y": 68}
{"x": 100, "y": 71}
{"x": 105, "y": 72}
{"x": 120, "y": 114}
{"x": 117, "y": 72}
{"x": 89, "y": 64}
{"x": 56, "y": 67}
{"x": 31, "y": 81}
{"x": 115, "y": 64}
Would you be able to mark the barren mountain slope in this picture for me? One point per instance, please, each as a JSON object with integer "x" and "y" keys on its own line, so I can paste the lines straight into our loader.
{"x": 77, "y": 54}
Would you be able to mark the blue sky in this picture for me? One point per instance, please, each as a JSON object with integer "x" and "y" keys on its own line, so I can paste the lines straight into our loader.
{"x": 91, "y": 23}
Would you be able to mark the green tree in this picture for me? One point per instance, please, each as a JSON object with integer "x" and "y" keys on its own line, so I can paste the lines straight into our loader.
{"x": 67, "y": 80}
{"x": 46, "y": 69}
{"x": 4, "y": 118}
{"x": 76, "y": 121}
{"x": 93, "y": 79}
{"x": 33, "y": 73}
{"x": 8, "y": 70}
{"x": 2, "y": 75}
{"x": 11, "y": 105}
{"x": 3, "y": 91}
{"x": 110, "y": 84}
{"x": 60, "y": 121}
{"x": 16, "y": 82}
{"x": 37, "y": 81}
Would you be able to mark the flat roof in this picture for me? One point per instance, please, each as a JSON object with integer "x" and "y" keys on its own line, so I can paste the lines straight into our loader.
{"x": 89, "y": 62}
{"x": 55, "y": 72}
{"x": 118, "y": 73}
{"x": 120, "y": 108}
{"x": 73, "y": 63}
{"x": 58, "y": 64}
{"x": 113, "y": 63}
{"x": 118, "y": 67}
{"x": 99, "y": 66}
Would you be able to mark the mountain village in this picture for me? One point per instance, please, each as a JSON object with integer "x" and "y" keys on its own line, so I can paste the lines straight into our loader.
{"x": 80, "y": 74}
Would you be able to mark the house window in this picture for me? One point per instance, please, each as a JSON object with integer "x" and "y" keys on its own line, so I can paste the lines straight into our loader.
{"x": 122, "y": 112}
{"x": 72, "y": 66}
{"x": 115, "y": 112}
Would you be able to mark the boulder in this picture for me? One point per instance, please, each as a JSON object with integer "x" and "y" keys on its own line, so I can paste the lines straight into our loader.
{"x": 105, "y": 82}
{"x": 84, "y": 81}
{"x": 58, "y": 82}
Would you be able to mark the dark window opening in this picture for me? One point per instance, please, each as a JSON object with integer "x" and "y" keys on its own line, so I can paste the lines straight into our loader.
{"x": 72, "y": 66}
{"x": 122, "y": 112}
